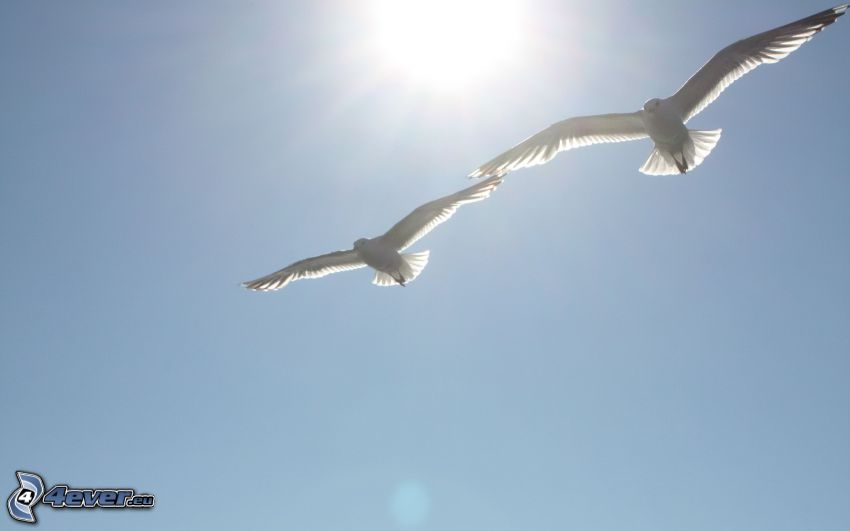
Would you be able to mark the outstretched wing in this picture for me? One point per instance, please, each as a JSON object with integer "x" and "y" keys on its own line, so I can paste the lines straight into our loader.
{"x": 315, "y": 267}
{"x": 423, "y": 220}
{"x": 571, "y": 133}
{"x": 732, "y": 62}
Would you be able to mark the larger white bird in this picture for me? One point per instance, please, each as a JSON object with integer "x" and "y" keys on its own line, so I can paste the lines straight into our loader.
{"x": 383, "y": 253}
{"x": 677, "y": 149}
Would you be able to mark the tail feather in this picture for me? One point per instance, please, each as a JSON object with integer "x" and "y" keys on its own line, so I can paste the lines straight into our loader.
{"x": 698, "y": 146}
{"x": 702, "y": 142}
{"x": 383, "y": 279}
{"x": 411, "y": 265}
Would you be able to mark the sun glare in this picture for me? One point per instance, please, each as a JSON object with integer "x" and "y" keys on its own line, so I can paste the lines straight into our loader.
{"x": 446, "y": 43}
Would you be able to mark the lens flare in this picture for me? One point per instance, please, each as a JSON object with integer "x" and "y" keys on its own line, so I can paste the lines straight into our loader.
{"x": 410, "y": 504}
{"x": 447, "y": 43}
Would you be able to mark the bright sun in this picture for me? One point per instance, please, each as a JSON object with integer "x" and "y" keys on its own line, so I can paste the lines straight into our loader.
{"x": 446, "y": 43}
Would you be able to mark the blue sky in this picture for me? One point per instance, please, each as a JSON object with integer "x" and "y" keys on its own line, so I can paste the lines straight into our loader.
{"x": 590, "y": 348}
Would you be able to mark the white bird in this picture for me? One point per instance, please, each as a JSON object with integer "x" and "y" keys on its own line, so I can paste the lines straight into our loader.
{"x": 383, "y": 253}
{"x": 677, "y": 149}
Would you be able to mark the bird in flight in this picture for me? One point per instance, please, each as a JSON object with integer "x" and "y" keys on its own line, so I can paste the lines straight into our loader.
{"x": 677, "y": 149}
{"x": 383, "y": 253}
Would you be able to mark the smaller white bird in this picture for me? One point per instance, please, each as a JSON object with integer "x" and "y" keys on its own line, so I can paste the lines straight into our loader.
{"x": 383, "y": 253}
{"x": 677, "y": 149}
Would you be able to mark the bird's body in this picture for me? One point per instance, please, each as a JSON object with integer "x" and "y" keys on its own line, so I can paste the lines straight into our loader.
{"x": 383, "y": 253}
{"x": 663, "y": 124}
{"x": 377, "y": 254}
{"x": 385, "y": 259}
{"x": 677, "y": 149}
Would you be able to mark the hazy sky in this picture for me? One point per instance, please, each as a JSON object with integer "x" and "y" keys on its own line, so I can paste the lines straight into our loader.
{"x": 590, "y": 348}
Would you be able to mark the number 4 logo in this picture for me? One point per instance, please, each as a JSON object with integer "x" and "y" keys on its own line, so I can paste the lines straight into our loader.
{"x": 22, "y": 499}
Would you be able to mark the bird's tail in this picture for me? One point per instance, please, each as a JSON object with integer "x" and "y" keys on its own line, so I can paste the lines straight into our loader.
{"x": 383, "y": 279}
{"x": 698, "y": 146}
{"x": 411, "y": 265}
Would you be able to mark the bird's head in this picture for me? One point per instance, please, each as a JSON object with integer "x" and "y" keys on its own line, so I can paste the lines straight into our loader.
{"x": 359, "y": 243}
{"x": 652, "y": 105}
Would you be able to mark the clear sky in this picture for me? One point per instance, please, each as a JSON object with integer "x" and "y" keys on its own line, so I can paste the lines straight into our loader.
{"x": 590, "y": 348}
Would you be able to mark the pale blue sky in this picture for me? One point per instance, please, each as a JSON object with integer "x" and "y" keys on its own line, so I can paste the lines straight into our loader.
{"x": 590, "y": 348}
